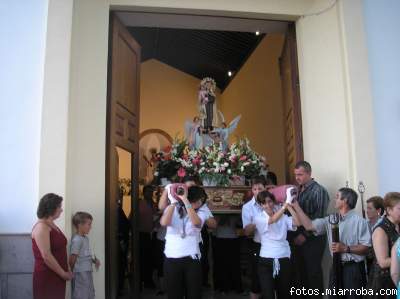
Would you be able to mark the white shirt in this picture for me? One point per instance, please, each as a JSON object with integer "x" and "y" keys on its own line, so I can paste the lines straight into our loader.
{"x": 177, "y": 246}
{"x": 169, "y": 194}
{"x": 204, "y": 213}
{"x": 250, "y": 211}
{"x": 273, "y": 236}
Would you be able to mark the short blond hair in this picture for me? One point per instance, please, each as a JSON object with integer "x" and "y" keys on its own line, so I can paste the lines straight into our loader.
{"x": 80, "y": 218}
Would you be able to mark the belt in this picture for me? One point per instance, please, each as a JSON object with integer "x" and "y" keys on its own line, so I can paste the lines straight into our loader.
{"x": 192, "y": 257}
{"x": 344, "y": 263}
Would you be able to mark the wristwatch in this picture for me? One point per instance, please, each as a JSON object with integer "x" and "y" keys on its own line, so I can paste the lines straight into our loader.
{"x": 188, "y": 206}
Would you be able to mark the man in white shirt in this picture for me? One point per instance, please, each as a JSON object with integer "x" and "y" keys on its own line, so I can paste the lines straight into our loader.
{"x": 250, "y": 211}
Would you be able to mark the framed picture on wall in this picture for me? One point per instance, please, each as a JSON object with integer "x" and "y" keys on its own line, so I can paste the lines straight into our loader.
{"x": 151, "y": 142}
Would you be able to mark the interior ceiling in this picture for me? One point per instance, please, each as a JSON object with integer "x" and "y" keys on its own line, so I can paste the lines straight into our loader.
{"x": 200, "y": 53}
{"x": 202, "y": 46}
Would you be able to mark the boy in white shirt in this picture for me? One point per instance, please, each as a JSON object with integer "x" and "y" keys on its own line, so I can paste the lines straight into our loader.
{"x": 250, "y": 210}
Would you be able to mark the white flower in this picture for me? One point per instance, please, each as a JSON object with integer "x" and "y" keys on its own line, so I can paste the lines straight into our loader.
{"x": 226, "y": 164}
{"x": 246, "y": 163}
{"x": 156, "y": 173}
{"x": 229, "y": 171}
{"x": 241, "y": 168}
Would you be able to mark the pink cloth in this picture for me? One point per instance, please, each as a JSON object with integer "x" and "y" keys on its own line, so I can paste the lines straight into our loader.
{"x": 280, "y": 192}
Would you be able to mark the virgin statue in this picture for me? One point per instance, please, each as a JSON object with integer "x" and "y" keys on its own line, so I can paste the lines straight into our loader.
{"x": 207, "y": 104}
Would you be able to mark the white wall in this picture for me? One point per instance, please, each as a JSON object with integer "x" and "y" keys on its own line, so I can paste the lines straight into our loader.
{"x": 87, "y": 121}
{"x": 336, "y": 99}
{"x": 22, "y": 54}
{"x": 53, "y": 153}
{"x": 322, "y": 90}
{"x": 382, "y": 24}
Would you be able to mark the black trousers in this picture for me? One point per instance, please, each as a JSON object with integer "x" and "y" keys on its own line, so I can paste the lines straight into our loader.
{"x": 353, "y": 277}
{"x": 146, "y": 263}
{"x": 306, "y": 265}
{"x": 278, "y": 284}
{"x": 158, "y": 255}
{"x": 183, "y": 278}
{"x": 254, "y": 252}
{"x": 204, "y": 246}
{"x": 227, "y": 264}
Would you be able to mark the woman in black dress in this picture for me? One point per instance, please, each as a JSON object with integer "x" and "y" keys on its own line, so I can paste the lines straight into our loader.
{"x": 384, "y": 236}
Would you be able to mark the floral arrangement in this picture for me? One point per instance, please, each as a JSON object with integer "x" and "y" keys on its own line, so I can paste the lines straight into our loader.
{"x": 166, "y": 166}
{"x": 244, "y": 161}
{"x": 211, "y": 163}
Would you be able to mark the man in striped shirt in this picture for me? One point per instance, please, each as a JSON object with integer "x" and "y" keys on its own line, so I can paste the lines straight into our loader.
{"x": 307, "y": 248}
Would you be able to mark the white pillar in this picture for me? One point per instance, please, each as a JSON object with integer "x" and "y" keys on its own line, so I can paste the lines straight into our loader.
{"x": 53, "y": 150}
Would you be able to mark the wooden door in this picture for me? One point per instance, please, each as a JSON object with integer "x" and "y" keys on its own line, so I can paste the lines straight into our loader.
{"x": 291, "y": 103}
{"x": 122, "y": 131}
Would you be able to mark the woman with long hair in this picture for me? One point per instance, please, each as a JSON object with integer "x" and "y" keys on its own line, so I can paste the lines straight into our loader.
{"x": 384, "y": 237}
{"x": 274, "y": 262}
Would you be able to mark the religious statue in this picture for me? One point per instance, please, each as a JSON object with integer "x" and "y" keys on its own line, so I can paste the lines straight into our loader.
{"x": 207, "y": 104}
{"x": 209, "y": 127}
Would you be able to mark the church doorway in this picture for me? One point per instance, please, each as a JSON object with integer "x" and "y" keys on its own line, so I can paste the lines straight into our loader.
{"x": 152, "y": 91}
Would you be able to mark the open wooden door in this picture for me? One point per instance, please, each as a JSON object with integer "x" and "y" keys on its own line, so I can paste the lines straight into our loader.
{"x": 122, "y": 131}
{"x": 291, "y": 103}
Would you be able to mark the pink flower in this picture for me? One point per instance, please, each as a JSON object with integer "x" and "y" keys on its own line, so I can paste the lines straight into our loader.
{"x": 243, "y": 158}
{"x": 181, "y": 172}
{"x": 196, "y": 161}
{"x": 167, "y": 149}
